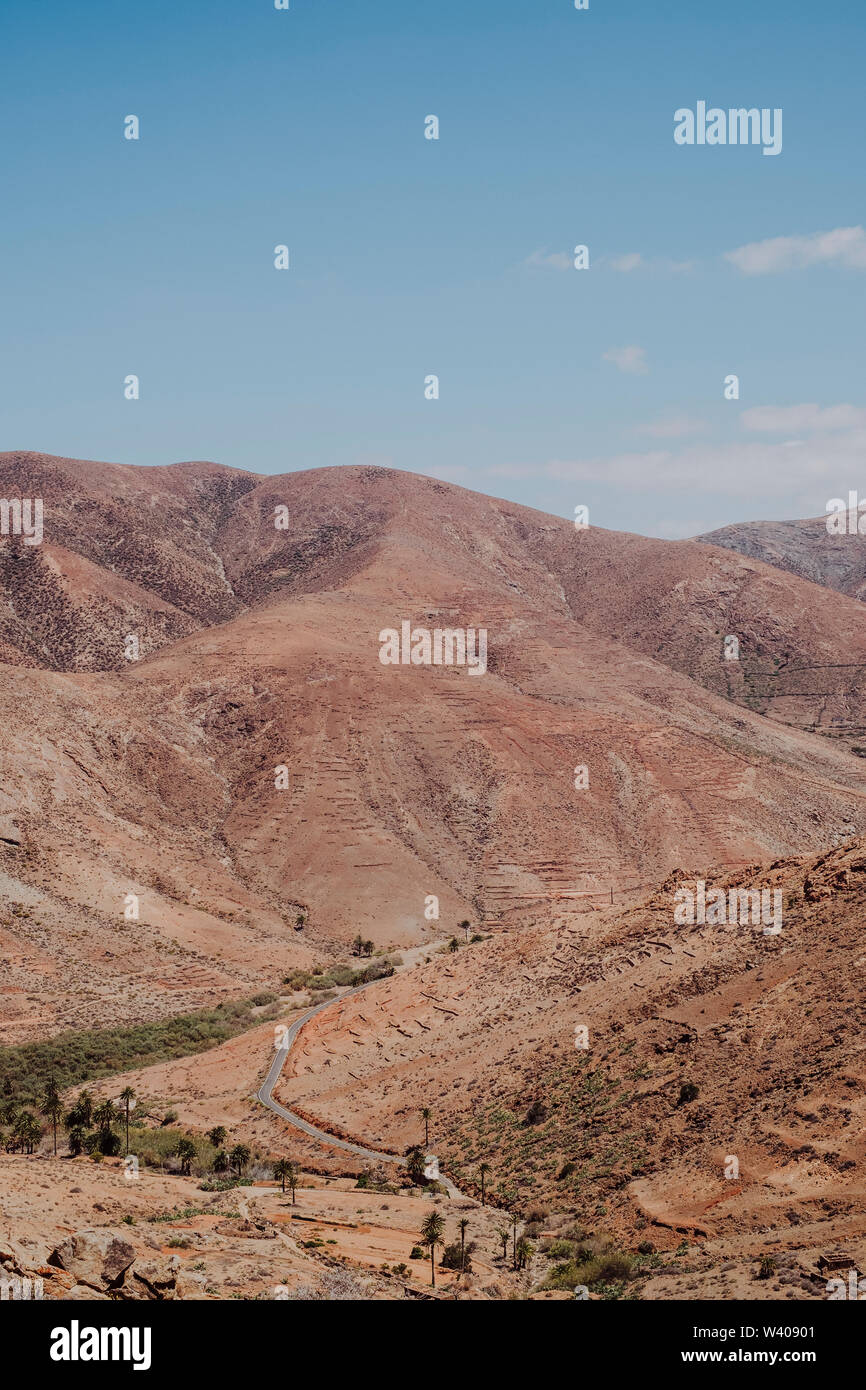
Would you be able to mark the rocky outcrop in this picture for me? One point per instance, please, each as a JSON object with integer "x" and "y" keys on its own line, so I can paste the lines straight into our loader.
{"x": 99, "y": 1259}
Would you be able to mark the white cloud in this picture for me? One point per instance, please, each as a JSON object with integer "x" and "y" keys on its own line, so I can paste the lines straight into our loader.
{"x": 628, "y": 262}
{"x": 801, "y": 478}
{"x": 628, "y": 359}
{"x": 844, "y": 246}
{"x": 787, "y": 419}
{"x": 553, "y": 260}
{"x": 671, "y": 427}
{"x": 634, "y": 260}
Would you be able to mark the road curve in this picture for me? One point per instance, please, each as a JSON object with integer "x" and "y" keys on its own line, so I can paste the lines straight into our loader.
{"x": 264, "y": 1094}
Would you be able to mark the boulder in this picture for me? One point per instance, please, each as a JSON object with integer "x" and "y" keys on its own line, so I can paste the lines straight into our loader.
{"x": 97, "y": 1258}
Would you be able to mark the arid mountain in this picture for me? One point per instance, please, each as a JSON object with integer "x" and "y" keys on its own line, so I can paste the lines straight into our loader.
{"x": 762, "y": 1027}
{"x": 695, "y": 1085}
{"x": 188, "y": 822}
{"x": 804, "y": 548}
{"x": 259, "y": 649}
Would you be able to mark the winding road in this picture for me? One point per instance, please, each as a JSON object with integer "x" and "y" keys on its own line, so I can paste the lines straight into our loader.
{"x": 265, "y": 1095}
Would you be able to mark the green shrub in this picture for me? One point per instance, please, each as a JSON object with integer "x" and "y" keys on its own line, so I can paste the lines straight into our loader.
{"x": 75, "y": 1057}
{"x": 451, "y": 1256}
{"x": 561, "y": 1250}
{"x": 611, "y": 1267}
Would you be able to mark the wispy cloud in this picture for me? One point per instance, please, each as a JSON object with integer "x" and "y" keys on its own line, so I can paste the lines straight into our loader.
{"x": 628, "y": 262}
{"x": 625, "y": 263}
{"x": 628, "y": 359}
{"x": 672, "y": 427}
{"x": 846, "y": 246}
{"x": 550, "y": 260}
{"x": 791, "y": 419}
{"x": 801, "y": 473}
{"x": 634, "y": 260}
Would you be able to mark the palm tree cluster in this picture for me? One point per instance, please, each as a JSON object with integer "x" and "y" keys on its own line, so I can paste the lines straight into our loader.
{"x": 457, "y": 1255}
{"x": 91, "y": 1128}
{"x": 522, "y": 1248}
{"x": 285, "y": 1171}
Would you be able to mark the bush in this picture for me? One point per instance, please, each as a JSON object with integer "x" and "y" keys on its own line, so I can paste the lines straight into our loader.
{"x": 688, "y": 1092}
{"x": 767, "y": 1267}
{"x": 416, "y": 1253}
{"x": 342, "y": 974}
{"x": 561, "y": 1250}
{"x": 376, "y": 970}
{"x": 451, "y": 1256}
{"x": 75, "y": 1057}
{"x": 614, "y": 1266}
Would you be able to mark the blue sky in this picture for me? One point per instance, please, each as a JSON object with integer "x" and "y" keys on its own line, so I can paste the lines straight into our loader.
{"x": 411, "y": 257}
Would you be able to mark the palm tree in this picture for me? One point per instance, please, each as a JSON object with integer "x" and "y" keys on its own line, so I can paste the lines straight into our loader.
{"x": 52, "y": 1107}
{"x": 415, "y": 1165}
{"x": 81, "y": 1114}
{"x": 514, "y": 1233}
{"x": 76, "y": 1140}
{"x": 239, "y": 1157}
{"x": 8, "y": 1111}
{"x": 503, "y": 1234}
{"x": 465, "y": 925}
{"x": 292, "y": 1177}
{"x": 483, "y": 1170}
{"x": 104, "y": 1116}
{"x": 127, "y": 1095}
{"x": 185, "y": 1150}
{"x": 463, "y": 1224}
{"x": 217, "y": 1135}
{"x": 523, "y": 1253}
{"x": 431, "y": 1236}
{"x": 426, "y": 1116}
{"x": 84, "y": 1105}
{"x": 27, "y": 1131}
{"x": 285, "y": 1171}
{"x": 358, "y": 945}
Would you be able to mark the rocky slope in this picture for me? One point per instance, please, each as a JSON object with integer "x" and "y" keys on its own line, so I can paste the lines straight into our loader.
{"x": 258, "y": 648}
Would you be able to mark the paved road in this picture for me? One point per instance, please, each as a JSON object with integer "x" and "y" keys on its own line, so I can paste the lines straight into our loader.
{"x": 264, "y": 1094}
